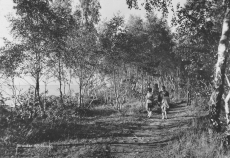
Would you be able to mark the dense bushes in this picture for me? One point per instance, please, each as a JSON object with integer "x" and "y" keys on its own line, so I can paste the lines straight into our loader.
{"x": 28, "y": 124}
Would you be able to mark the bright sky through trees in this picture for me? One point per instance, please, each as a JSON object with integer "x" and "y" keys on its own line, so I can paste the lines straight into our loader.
{"x": 108, "y": 9}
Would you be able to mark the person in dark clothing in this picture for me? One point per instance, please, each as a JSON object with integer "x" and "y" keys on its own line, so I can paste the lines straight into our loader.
{"x": 163, "y": 94}
{"x": 155, "y": 94}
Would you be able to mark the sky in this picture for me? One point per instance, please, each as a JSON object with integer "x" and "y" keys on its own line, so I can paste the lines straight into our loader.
{"x": 6, "y": 7}
{"x": 108, "y": 9}
{"x": 111, "y": 7}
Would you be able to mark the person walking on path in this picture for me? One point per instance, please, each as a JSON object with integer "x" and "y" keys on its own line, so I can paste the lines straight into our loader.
{"x": 155, "y": 94}
{"x": 163, "y": 94}
{"x": 163, "y": 100}
{"x": 149, "y": 102}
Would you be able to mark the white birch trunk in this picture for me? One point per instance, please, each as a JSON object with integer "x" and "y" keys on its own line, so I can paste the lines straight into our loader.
{"x": 215, "y": 106}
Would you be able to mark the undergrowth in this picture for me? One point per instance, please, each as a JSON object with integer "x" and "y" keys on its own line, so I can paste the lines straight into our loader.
{"x": 66, "y": 123}
{"x": 198, "y": 141}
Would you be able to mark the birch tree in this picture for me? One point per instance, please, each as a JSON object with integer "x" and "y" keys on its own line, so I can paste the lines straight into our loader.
{"x": 60, "y": 29}
{"x": 82, "y": 42}
{"x": 30, "y": 27}
{"x": 220, "y": 69}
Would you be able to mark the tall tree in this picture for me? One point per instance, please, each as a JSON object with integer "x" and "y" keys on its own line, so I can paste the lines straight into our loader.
{"x": 113, "y": 40}
{"x": 11, "y": 59}
{"x": 82, "y": 42}
{"x": 197, "y": 39}
{"x": 203, "y": 22}
{"x": 220, "y": 70}
{"x": 31, "y": 28}
{"x": 60, "y": 29}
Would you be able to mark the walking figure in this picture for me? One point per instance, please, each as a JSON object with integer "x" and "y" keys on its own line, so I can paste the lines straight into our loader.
{"x": 163, "y": 100}
{"x": 149, "y": 102}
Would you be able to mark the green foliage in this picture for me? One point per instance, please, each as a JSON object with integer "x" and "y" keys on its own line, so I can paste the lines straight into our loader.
{"x": 29, "y": 125}
{"x": 197, "y": 35}
{"x": 112, "y": 38}
{"x": 33, "y": 20}
{"x": 90, "y": 12}
{"x": 143, "y": 44}
{"x": 150, "y": 5}
{"x": 11, "y": 57}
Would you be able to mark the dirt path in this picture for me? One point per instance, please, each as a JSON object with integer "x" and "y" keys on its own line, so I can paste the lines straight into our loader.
{"x": 135, "y": 135}
{"x": 126, "y": 134}
{"x": 154, "y": 134}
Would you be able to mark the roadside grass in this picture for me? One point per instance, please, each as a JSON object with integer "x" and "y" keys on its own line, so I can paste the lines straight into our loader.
{"x": 198, "y": 141}
{"x": 97, "y": 124}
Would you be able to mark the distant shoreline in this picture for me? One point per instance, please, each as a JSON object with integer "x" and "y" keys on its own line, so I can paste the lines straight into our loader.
{"x": 52, "y": 89}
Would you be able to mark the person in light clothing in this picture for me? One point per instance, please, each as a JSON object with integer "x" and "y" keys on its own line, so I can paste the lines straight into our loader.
{"x": 149, "y": 102}
{"x": 164, "y": 100}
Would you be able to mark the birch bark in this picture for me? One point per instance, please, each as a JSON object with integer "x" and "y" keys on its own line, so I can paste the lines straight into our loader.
{"x": 216, "y": 97}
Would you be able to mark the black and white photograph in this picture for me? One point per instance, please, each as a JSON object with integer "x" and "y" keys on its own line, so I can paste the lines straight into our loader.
{"x": 114, "y": 79}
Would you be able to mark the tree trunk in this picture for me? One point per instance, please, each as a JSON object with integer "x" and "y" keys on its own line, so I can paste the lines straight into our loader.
{"x": 64, "y": 87}
{"x": 37, "y": 77}
{"x": 115, "y": 89}
{"x": 37, "y": 86}
{"x": 188, "y": 93}
{"x": 142, "y": 87}
{"x": 44, "y": 106}
{"x": 60, "y": 77}
{"x": 226, "y": 101}
{"x": 37, "y": 98}
{"x": 70, "y": 78}
{"x": 216, "y": 97}
{"x": 14, "y": 92}
{"x": 80, "y": 88}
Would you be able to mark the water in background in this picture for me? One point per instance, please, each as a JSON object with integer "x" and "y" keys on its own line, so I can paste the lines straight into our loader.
{"x": 21, "y": 89}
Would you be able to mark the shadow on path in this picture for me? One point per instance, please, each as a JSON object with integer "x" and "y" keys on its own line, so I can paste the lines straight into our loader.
{"x": 125, "y": 134}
